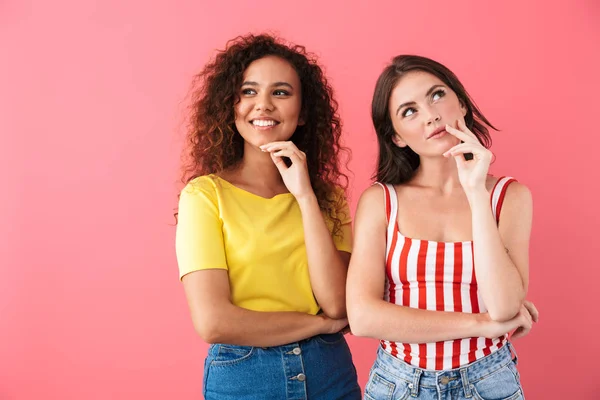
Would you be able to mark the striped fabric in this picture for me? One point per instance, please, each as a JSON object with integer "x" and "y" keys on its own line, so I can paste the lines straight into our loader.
{"x": 436, "y": 276}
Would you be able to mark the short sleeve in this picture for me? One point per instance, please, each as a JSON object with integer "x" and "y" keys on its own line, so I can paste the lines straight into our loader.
{"x": 199, "y": 236}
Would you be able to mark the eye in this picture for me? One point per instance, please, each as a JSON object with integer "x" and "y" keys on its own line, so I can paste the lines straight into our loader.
{"x": 248, "y": 91}
{"x": 438, "y": 94}
{"x": 281, "y": 92}
{"x": 408, "y": 112}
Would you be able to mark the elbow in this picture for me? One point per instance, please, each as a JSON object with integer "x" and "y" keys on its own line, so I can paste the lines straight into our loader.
{"x": 504, "y": 313}
{"x": 335, "y": 306}
{"x": 509, "y": 308}
{"x": 208, "y": 329}
{"x": 335, "y": 311}
{"x": 358, "y": 318}
{"x": 207, "y": 334}
{"x": 501, "y": 316}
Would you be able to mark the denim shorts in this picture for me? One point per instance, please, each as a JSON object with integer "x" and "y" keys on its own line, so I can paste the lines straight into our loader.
{"x": 317, "y": 368}
{"x": 494, "y": 377}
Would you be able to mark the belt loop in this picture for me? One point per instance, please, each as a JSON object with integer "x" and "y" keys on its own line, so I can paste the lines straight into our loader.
{"x": 466, "y": 384}
{"x": 513, "y": 351}
{"x": 414, "y": 386}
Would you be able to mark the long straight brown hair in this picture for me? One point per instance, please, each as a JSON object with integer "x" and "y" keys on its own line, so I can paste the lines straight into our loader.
{"x": 396, "y": 164}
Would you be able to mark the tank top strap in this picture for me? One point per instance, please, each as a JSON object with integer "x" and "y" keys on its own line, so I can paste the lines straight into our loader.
{"x": 498, "y": 194}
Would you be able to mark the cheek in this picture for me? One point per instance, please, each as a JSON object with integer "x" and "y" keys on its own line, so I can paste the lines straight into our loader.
{"x": 241, "y": 109}
{"x": 407, "y": 130}
{"x": 407, "y": 126}
{"x": 291, "y": 111}
{"x": 450, "y": 109}
{"x": 296, "y": 108}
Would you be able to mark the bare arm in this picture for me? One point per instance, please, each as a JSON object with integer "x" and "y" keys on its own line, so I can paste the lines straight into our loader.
{"x": 371, "y": 316}
{"x": 199, "y": 243}
{"x": 501, "y": 253}
{"x": 327, "y": 266}
{"x": 217, "y": 320}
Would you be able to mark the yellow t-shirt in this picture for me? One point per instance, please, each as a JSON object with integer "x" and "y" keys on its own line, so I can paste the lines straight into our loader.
{"x": 259, "y": 241}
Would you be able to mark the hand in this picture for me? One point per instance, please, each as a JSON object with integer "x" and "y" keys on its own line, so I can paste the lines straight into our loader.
{"x": 520, "y": 325}
{"x": 295, "y": 177}
{"x": 535, "y": 316}
{"x": 334, "y": 325}
{"x": 472, "y": 173}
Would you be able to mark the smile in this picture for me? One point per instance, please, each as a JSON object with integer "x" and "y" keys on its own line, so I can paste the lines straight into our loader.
{"x": 264, "y": 122}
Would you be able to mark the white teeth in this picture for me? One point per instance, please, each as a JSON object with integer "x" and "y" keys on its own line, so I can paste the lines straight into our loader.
{"x": 262, "y": 122}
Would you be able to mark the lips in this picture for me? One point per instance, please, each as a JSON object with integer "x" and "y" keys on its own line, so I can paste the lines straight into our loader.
{"x": 439, "y": 132}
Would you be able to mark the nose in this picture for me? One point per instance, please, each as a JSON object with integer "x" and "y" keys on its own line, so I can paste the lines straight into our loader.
{"x": 264, "y": 102}
{"x": 432, "y": 116}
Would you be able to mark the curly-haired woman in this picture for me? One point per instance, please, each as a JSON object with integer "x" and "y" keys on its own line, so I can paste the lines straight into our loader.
{"x": 263, "y": 236}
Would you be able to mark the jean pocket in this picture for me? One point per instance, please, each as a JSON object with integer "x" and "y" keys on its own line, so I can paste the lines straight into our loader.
{"x": 334, "y": 338}
{"x": 502, "y": 384}
{"x": 228, "y": 355}
{"x": 380, "y": 387}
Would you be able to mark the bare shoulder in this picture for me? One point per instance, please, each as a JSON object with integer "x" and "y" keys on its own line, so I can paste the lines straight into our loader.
{"x": 372, "y": 195}
{"x": 517, "y": 207}
{"x": 371, "y": 204}
{"x": 518, "y": 194}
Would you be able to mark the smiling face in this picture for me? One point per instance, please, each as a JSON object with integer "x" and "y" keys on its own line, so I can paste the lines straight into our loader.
{"x": 420, "y": 106}
{"x": 270, "y": 102}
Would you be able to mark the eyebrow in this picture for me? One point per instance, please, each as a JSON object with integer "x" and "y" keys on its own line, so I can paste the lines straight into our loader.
{"x": 276, "y": 84}
{"x": 410, "y": 103}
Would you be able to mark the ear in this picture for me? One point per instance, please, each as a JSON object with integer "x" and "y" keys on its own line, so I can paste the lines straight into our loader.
{"x": 398, "y": 141}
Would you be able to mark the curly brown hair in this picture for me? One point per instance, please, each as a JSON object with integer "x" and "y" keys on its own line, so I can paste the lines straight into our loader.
{"x": 214, "y": 144}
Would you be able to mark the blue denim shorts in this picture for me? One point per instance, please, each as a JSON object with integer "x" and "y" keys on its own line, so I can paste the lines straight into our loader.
{"x": 494, "y": 377}
{"x": 317, "y": 368}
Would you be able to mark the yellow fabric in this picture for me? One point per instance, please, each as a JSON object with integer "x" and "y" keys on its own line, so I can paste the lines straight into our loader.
{"x": 259, "y": 241}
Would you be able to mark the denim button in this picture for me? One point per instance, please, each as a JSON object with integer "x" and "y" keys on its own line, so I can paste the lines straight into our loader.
{"x": 297, "y": 351}
{"x": 445, "y": 380}
{"x": 301, "y": 377}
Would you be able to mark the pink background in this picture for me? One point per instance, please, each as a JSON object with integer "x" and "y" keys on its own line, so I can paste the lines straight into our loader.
{"x": 91, "y": 120}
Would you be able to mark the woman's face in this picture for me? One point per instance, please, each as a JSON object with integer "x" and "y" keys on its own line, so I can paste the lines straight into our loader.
{"x": 420, "y": 106}
{"x": 270, "y": 102}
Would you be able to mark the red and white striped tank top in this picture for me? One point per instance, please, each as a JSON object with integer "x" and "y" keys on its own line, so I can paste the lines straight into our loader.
{"x": 435, "y": 276}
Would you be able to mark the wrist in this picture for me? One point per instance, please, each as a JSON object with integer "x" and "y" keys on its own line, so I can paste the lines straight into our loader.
{"x": 322, "y": 325}
{"x": 307, "y": 200}
{"x": 478, "y": 195}
{"x": 482, "y": 324}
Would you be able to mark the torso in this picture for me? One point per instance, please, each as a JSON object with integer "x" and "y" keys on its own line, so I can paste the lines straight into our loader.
{"x": 425, "y": 213}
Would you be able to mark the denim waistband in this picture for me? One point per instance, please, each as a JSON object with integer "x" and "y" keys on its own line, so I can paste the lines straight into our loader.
{"x": 285, "y": 348}
{"x": 470, "y": 373}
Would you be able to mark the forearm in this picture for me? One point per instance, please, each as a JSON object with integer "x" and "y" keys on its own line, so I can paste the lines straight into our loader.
{"x": 238, "y": 326}
{"x": 326, "y": 268}
{"x": 379, "y": 319}
{"x": 498, "y": 278}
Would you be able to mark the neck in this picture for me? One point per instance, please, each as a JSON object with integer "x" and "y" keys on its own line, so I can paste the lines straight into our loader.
{"x": 258, "y": 167}
{"x": 438, "y": 173}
